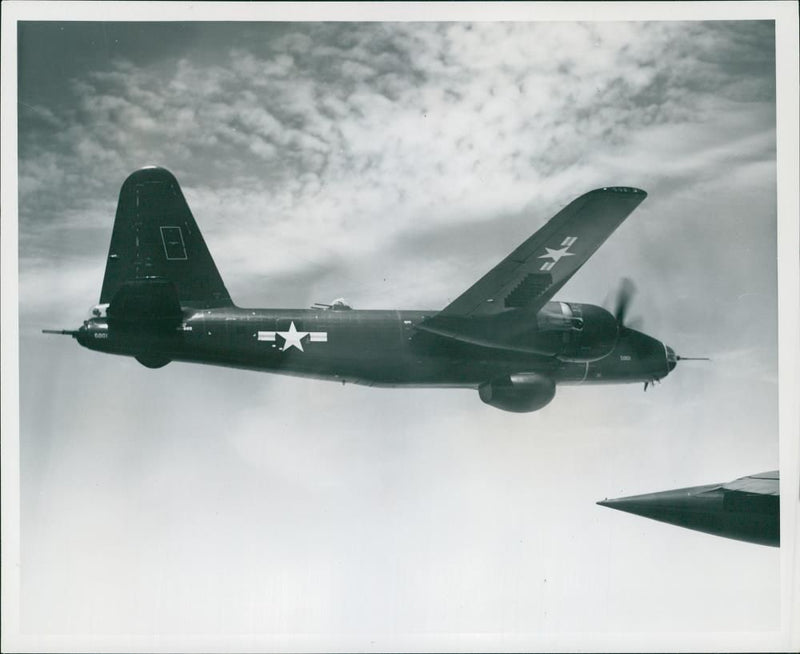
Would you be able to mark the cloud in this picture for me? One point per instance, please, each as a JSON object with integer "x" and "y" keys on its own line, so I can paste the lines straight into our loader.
{"x": 400, "y": 104}
{"x": 416, "y": 140}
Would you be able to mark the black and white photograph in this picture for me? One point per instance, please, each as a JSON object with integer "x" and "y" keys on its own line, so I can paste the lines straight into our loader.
{"x": 400, "y": 327}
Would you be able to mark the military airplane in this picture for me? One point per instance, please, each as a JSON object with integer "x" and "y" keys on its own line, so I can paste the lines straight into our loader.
{"x": 163, "y": 300}
{"x": 746, "y": 509}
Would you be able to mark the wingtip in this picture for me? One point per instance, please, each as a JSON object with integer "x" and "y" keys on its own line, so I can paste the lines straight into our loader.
{"x": 621, "y": 190}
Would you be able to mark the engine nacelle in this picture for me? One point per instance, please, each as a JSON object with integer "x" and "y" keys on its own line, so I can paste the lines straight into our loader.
{"x": 577, "y": 332}
{"x": 520, "y": 392}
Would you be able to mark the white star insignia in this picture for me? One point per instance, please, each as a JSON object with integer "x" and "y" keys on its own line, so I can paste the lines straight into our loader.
{"x": 292, "y": 338}
{"x": 556, "y": 255}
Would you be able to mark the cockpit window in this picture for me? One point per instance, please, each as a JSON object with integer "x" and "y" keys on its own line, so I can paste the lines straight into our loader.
{"x": 98, "y": 311}
{"x": 339, "y": 304}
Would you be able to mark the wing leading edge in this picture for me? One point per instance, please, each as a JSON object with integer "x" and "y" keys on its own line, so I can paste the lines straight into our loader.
{"x": 533, "y": 273}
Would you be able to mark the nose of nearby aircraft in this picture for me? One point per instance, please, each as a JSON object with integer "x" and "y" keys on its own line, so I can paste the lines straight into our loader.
{"x": 636, "y": 357}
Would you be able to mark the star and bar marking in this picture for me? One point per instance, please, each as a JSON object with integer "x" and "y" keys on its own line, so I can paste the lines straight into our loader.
{"x": 555, "y": 255}
{"x": 293, "y": 338}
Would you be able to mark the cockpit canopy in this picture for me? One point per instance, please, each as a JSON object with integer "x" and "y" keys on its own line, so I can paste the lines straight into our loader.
{"x": 339, "y": 304}
{"x": 98, "y": 311}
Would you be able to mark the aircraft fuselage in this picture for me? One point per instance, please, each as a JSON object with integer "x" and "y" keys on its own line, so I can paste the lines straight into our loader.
{"x": 371, "y": 347}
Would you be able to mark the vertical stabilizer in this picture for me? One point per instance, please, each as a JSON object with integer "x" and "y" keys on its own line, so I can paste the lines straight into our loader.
{"x": 156, "y": 236}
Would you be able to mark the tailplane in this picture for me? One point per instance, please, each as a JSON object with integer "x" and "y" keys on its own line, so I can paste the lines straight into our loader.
{"x": 156, "y": 246}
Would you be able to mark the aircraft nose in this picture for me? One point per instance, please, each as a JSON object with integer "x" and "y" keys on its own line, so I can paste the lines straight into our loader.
{"x": 672, "y": 358}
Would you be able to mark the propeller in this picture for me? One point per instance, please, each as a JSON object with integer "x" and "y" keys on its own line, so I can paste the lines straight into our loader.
{"x": 622, "y": 303}
{"x": 625, "y": 294}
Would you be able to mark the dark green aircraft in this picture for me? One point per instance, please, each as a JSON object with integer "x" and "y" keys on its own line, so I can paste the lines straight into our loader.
{"x": 746, "y": 509}
{"x": 164, "y": 300}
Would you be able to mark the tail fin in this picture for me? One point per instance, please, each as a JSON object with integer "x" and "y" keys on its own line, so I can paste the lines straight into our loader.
{"x": 156, "y": 236}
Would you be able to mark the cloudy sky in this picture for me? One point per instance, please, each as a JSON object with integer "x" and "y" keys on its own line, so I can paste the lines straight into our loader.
{"x": 393, "y": 164}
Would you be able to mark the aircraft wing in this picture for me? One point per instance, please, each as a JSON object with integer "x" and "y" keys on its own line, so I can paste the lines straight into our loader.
{"x": 537, "y": 269}
{"x": 746, "y": 509}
